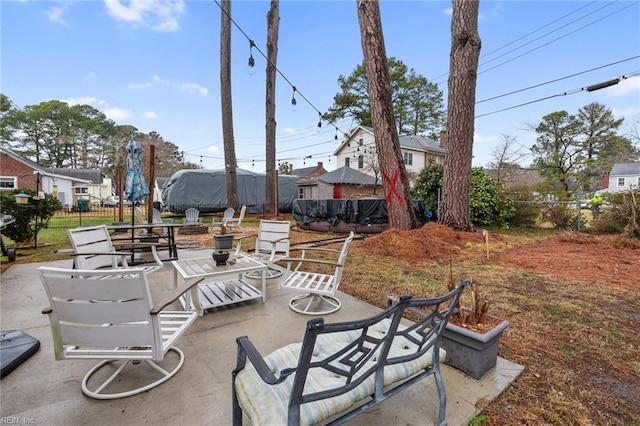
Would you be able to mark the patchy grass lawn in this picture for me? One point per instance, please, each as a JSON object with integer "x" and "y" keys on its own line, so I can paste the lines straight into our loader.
{"x": 573, "y": 301}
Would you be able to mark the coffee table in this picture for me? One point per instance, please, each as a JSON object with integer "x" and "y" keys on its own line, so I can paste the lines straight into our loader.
{"x": 218, "y": 285}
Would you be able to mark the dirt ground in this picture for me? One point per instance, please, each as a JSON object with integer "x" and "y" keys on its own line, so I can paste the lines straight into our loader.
{"x": 607, "y": 259}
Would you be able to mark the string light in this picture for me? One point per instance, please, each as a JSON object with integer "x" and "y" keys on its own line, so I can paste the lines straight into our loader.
{"x": 252, "y": 62}
{"x": 319, "y": 120}
{"x": 336, "y": 136}
{"x": 252, "y": 45}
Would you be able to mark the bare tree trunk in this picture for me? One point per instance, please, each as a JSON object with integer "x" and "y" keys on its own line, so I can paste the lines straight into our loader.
{"x": 463, "y": 68}
{"x": 230, "y": 165}
{"x": 394, "y": 176}
{"x": 273, "y": 23}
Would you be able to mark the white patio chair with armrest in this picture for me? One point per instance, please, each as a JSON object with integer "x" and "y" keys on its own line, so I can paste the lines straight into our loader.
{"x": 192, "y": 216}
{"x": 93, "y": 249}
{"x": 226, "y": 216}
{"x": 236, "y": 223}
{"x": 109, "y": 315}
{"x": 319, "y": 289}
{"x": 272, "y": 243}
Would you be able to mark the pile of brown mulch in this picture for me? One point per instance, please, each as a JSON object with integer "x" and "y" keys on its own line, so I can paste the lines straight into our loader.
{"x": 433, "y": 241}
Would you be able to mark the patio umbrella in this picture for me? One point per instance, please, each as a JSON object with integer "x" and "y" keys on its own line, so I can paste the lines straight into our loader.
{"x": 135, "y": 187}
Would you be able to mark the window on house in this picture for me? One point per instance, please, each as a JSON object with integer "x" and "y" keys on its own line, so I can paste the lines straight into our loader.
{"x": 81, "y": 190}
{"x": 360, "y": 142}
{"x": 346, "y": 161}
{"x": 8, "y": 182}
{"x": 621, "y": 181}
{"x": 300, "y": 192}
{"x": 408, "y": 158}
{"x": 361, "y": 161}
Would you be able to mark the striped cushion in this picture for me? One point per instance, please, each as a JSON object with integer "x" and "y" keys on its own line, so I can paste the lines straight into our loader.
{"x": 267, "y": 405}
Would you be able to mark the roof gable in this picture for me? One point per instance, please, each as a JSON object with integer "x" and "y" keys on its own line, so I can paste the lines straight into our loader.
{"x": 625, "y": 169}
{"x": 347, "y": 175}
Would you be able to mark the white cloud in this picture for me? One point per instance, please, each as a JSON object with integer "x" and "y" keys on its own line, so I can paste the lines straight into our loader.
{"x": 184, "y": 86}
{"x": 484, "y": 139}
{"x": 117, "y": 113}
{"x": 150, "y": 115}
{"x": 448, "y": 11}
{"x": 138, "y": 86}
{"x": 625, "y": 87}
{"x": 55, "y": 14}
{"x": 159, "y": 15}
{"x": 625, "y": 112}
{"x": 214, "y": 149}
{"x": 82, "y": 100}
{"x": 91, "y": 76}
{"x": 194, "y": 88}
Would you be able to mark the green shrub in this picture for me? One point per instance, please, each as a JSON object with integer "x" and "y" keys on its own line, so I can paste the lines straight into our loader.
{"x": 24, "y": 228}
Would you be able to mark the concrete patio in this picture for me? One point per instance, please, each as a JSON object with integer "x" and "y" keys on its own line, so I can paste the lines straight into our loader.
{"x": 45, "y": 391}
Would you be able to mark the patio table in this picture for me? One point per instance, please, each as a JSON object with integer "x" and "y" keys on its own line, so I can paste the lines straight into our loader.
{"x": 218, "y": 285}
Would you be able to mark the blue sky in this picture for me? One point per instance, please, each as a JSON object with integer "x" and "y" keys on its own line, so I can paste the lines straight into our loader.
{"x": 155, "y": 65}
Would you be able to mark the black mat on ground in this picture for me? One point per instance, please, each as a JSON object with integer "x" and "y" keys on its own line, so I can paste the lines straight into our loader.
{"x": 15, "y": 348}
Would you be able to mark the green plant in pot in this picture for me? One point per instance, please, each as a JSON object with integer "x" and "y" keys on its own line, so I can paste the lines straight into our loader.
{"x": 471, "y": 337}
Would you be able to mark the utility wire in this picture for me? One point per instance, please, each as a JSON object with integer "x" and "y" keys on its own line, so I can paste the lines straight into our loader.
{"x": 557, "y": 79}
{"x": 546, "y": 44}
{"x": 555, "y": 39}
{"x": 295, "y": 89}
{"x": 570, "y": 92}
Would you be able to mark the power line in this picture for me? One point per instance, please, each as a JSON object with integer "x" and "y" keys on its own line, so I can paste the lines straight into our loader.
{"x": 554, "y": 40}
{"x": 557, "y": 79}
{"x": 546, "y": 44}
{"x": 570, "y": 92}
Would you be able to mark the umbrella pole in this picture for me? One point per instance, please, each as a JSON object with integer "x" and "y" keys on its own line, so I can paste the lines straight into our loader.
{"x": 152, "y": 186}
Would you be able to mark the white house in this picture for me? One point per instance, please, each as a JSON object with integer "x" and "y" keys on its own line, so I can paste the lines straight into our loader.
{"x": 358, "y": 151}
{"x": 623, "y": 177}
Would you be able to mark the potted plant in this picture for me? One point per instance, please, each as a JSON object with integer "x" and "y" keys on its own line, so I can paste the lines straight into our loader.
{"x": 471, "y": 336}
{"x": 223, "y": 241}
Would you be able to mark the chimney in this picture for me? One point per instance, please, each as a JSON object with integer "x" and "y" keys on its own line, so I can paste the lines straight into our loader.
{"x": 319, "y": 165}
{"x": 443, "y": 138}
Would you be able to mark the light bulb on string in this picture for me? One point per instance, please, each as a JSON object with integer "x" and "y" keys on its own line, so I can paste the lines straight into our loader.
{"x": 252, "y": 62}
{"x": 253, "y": 163}
{"x": 319, "y": 120}
{"x": 293, "y": 98}
{"x": 336, "y": 136}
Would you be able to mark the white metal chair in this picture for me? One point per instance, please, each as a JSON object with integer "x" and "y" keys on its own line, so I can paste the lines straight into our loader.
{"x": 272, "y": 243}
{"x": 192, "y": 216}
{"x": 93, "y": 249}
{"x": 226, "y": 216}
{"x": 236, "y": 223}
{"x": 110, "y": 316}
{"x": 319, "y": 288}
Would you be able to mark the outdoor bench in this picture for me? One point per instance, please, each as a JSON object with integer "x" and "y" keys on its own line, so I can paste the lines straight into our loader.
{"x": 342, "y": 369}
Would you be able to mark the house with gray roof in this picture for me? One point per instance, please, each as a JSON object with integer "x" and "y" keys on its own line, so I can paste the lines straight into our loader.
{"x": 623, "y": 177}
{"x": 358, "y": 150}
{"x": 344, "y": 182}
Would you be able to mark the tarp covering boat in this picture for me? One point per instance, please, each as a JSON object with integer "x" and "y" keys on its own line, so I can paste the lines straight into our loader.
{"x": 206, "y": 190}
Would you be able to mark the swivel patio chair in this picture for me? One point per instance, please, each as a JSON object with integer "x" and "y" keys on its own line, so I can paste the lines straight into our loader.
{"x": 272, "y": 243}
{"x": 319, "y": 289}
{"x": 93, "y": 249}
{"x": 109, "y": 315}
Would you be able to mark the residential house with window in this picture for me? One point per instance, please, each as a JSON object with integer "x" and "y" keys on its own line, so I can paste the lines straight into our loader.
{"x": 623, "y": 177}
{"x": 67, "y": 185}
{"x": 358, "y": 151}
